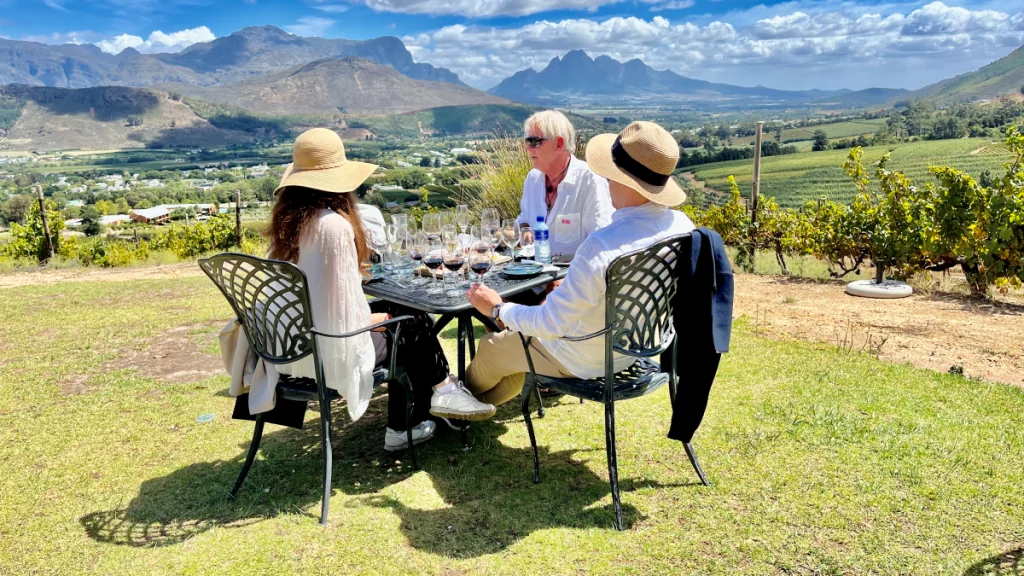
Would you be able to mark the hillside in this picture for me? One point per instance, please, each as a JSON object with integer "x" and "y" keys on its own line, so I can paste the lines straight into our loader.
{"x": 248, "y": 52}
{"x": 865, "y": 98}
{"x": 497, "y": 119}
{"x": 577, "y": 78}
{"x": 1004, "y": 76}
{"x": 349, "y": 85}
{"x": 98, "y": 118}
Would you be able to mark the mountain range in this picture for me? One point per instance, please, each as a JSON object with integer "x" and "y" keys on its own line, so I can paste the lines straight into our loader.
{"x": 577, "y": 78}
{"x": 348, "y": 85}
{"x": 249, "y": 52}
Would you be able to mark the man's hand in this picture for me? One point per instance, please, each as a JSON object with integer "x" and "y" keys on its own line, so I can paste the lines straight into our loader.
{"x": 377, "y": 318}
{"x": 554, "y": 284}
{"x": 483, "y": 298}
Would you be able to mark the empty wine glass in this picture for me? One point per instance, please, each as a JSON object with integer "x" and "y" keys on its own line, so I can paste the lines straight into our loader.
{"x": 447, "y": 217}
{"x": 462, "y": 217}
{"x": 432, "y": 225}
{"x": 510, "y": 236}
{"x": 526, "y": 251}
{"x": 492, "y": 232}
{"x": 399, "y": 239}
{"x": 400, "y": 220}
{"x": 489, "y": 214}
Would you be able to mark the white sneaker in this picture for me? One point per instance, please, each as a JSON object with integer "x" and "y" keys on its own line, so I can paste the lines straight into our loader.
{"x": 395, "y": 441}
{"x": 460, "y": 404}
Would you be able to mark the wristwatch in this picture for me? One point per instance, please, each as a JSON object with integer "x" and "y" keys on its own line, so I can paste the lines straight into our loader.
{"x": 496, "y": 311}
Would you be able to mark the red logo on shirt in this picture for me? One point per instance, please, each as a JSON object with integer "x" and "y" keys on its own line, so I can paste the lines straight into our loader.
{"x": 566, "y": 221}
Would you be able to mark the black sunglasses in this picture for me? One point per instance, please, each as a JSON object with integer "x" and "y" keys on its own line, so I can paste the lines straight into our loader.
{"x": 534, "y": 141}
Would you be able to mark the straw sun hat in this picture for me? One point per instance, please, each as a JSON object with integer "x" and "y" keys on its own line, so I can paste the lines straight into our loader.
{"x": 319, "y": 162}
{"x": 641, "y": 157}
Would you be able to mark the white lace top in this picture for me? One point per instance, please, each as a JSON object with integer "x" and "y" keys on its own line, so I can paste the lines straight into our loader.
{"x": 327, "y": 255}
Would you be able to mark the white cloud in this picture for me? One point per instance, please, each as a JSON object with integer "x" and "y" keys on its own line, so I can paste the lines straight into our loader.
{"x": 310, "y": 26}
{"x": 791, "y": 48}
{"x": 64, "y": 38}
{"x": 333, "y": 8}
{"x": 158, "y": 41}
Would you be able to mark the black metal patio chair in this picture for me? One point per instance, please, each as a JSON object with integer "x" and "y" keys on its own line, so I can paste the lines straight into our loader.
{"x": 638, "y": 322}
{"x": 270, "y": 298}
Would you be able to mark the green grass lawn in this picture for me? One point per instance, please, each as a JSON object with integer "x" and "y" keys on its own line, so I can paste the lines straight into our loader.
{"x": 821, "y": 461}
{"x": 794, "y": 179}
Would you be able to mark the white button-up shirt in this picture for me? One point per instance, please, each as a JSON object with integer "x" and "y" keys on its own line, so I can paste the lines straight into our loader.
{"x": 576, "y": 307}
{"x": 582, "y": 207}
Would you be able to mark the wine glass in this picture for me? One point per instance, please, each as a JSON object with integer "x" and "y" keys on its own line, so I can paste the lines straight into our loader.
{"x": 448, "y": 233}
{"x": 417, "y": 249}
{"x": 379, "y": 245}
{"x": 432, "y": 259}
{"x": 480, "y": 259}
{"x": 454, "y": 260}
{"x": 399, "y": 239}
{"x": 448, "y": 218}
{"x": 526, "y": 251}
{"x": 489, "y": 214}
{"x": 400, "y": 220}
{"x": 432, "y": 225}
{"x": 462, "y": 217}
{"x": 510, "y": 235}
{"x": 492, "y": 232}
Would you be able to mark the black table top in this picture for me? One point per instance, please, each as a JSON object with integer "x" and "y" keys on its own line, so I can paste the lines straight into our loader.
{"x": 416, "y": 296}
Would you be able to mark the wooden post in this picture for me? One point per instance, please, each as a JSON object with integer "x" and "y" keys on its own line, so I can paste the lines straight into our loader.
{"x": 46, "y": 223}
{"x": 755, "y": 188}
{"x": 238, "y": 217}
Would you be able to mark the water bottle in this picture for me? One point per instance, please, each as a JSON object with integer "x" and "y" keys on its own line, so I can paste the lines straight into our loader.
{"x": 541, "y": 244}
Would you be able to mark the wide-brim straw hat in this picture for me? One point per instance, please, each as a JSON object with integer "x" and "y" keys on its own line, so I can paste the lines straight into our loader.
{"x": 642, "y": 157}
{"x": 319, "y": 162}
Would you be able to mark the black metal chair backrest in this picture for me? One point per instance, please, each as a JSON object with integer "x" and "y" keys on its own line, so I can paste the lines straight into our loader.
{"x": 270, "y": 299}
{"x": 641, "y": 286}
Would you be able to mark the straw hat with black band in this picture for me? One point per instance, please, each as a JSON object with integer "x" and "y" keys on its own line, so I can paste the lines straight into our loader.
{"x": 642, "y": 157}
{"x": 319, "y": 162}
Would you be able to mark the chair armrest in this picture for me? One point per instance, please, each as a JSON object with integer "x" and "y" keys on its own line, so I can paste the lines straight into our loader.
{"x": 396, "y": 322}
{"x": 361, "y": 330}
{"x": 586, "y": 337}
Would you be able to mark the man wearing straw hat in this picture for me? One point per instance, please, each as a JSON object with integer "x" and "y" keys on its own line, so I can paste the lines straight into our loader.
{"x": 638, "y": 164}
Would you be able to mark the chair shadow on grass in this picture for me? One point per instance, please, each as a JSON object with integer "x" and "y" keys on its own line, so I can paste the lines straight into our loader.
{"x": 489, "y": 497}
{"x": 1006, "y": 564}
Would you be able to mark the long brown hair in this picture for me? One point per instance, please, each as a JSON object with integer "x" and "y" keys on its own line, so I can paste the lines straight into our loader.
{"x": 297, "y": 208}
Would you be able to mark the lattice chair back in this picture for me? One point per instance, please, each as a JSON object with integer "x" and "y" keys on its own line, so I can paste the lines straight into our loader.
{"x": 641, "y": 287}
{"x": 270, "y": 299}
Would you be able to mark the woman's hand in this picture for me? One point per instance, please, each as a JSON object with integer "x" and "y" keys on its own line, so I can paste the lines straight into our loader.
{"x": 377, "y": 318}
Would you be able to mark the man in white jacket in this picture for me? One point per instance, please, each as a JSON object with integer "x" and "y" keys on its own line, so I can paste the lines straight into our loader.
{"x": 561, "y": 189}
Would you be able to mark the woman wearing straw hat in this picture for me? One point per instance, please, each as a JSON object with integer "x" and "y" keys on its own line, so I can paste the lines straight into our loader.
{"x": 316, "y": 225}
{"x": 638, "y": 164}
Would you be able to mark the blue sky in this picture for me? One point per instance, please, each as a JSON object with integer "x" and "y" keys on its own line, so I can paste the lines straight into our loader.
{"x": 794, "y": 44}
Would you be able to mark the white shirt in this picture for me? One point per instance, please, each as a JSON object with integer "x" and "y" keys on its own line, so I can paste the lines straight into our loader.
{"x": 327, "y": 255}
{"x": 583, "y": 206}
{"x": 576, "y": 307}
{"x": 373, "y": 222}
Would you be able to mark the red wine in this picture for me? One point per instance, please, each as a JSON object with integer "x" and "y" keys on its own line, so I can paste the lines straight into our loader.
{"x": 454, "y": 265}
{"x": 432, "y": 262}
{"x": 482, "y": 249}
{"x": 480, "y": 268}
{"x": 417, "y": 256}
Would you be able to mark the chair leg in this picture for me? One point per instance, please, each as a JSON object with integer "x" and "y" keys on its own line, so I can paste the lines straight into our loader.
{"x": 409, "y": 405}
{"x": 529, "y": 427}
{"x": 540, "y": 403}
{"x": 696, "y": 463}
{"x": 254, "y": 447}
{"x": 325, "y": 422}
{"x": 613, "y": 464}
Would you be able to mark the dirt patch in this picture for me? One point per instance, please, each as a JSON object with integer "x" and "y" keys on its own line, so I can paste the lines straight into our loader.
{"x": 75, "y": 384}
{"x": 50, "y": 277}
{"x": 936, "y": 331}
{"x": 174, "y": 357}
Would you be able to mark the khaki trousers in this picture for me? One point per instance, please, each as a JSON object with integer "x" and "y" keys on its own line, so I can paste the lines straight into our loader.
{"x": 498, "y": 372}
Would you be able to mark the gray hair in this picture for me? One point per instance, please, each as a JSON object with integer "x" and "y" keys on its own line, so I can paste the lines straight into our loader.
{"x": 553, "y": 124}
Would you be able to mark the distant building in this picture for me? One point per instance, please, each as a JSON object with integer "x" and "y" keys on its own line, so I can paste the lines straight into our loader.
{"x": 78, "y": 190}
{"x": 402, "y": 164}
{"x": 108, "y": 220}
{"x": 154, "y": 183}
{"x": 157, "y": 215}
{"x": 78, "y": 203}
{"x": 461, "y": 151}
{"x": 197, "y": 208}
{"x": 73, "y": 223}
{"x": 259, "y": 170}
{"x": 386, "y": 188}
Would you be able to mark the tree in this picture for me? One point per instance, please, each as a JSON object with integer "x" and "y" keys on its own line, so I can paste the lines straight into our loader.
{"x": 820, "y": 141}
{"x": 91, "y": 221}
{"x": 425, "y": 162}
{"x": 135, "y": 120}
{"x": 15, "y": 210}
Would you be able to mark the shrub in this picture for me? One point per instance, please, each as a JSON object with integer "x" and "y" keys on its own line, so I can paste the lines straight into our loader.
{"x": 501, "y": 174}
